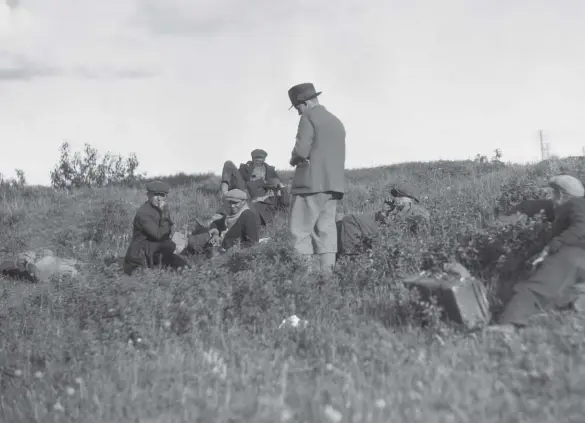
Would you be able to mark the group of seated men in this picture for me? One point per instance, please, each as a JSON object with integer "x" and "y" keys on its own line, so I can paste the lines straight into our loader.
{"x": 253, "y": 194}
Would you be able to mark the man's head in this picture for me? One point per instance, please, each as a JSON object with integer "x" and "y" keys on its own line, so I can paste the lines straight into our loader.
{"x": 404, "y": 193}
{"x": 236, "y": 199}
{"x": 303, "y": 96}
{"x": 565, "y": 187}
{"x": 258, "y": 157}
{"x": 157, "y": 192}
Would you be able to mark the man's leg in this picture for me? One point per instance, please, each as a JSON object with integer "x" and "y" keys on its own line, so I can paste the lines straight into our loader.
{"x": 231, "y": 178}
{"x": 544, "y": 289}
{"x": 304, "y": 213}
{"x": 324, "y": 235}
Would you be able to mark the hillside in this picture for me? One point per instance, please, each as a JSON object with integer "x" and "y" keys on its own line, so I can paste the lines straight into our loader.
{"x": 212, "y": 349}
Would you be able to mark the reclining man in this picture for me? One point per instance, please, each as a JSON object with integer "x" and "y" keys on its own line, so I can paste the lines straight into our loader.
{"x": 559, "y": 280}
{"x": 151, "y": 242}
{"x": 38, "y": 266}
{"x": 357, "y": 232}
{"x": 250, "y": 177}
{"x": 260, "y": 181}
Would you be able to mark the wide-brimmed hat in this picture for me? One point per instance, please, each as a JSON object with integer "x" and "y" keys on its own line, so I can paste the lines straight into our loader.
{"x": 301, "y": 93}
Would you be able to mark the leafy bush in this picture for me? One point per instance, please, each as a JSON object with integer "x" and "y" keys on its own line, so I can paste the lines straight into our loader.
{"x": 87, "y": 169}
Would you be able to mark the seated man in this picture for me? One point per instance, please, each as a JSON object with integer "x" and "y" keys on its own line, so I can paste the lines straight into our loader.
{"x": 357, "y": 232}
{"x": 38, "y": 266}
{"x": 275, "y": 200}
{"x": 151, "y": 242}
{"x": 250, "y": 177}
{"x": 558, "y": 281}
{"x": 405, "y": 205}
{"x": 238, "y": 226}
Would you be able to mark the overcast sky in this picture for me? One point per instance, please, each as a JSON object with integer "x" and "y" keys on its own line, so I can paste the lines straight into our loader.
{"x": 188, "y": 84}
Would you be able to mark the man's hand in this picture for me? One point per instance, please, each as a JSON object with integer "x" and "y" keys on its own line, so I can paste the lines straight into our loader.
{"x": 165, "y": 212}
{"x": 540, "y": 258}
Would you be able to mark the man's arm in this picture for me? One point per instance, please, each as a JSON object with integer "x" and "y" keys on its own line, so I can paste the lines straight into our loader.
{"x": 305, "y": 138}
{"x": 250, "y": 233}
{"x": 574, "y": 234}
{"x": 151, "y": 229}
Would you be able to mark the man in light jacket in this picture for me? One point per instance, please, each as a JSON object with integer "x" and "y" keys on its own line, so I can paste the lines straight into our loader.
{"x": 319, "y": 178}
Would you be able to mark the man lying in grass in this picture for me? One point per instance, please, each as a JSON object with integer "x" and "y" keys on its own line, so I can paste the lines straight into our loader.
{"x": 357, "y": 232}
{"x": 38, "y": 266}
{"x": 559, "y": 280}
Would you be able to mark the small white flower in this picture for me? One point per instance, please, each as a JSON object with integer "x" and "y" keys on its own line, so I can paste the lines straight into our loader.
{"x": 58, "y": 407}
{"x": 18, "y": 372}
{"x": 38, "y": 374}
{"x": 70, "y": 390}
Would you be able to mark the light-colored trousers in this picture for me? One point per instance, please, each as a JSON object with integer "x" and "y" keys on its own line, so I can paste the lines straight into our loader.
{"x": 312, "y": 223}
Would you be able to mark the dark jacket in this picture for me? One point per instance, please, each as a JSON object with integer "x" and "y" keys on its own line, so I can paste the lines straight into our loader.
{"x": 150, "y": 227}
{"x": 529, "y": 208}
{"x": 356, "y": 233}
{"x": 319, "y": 153}
{"x": 245, "y": 230}
{"x": 256, "y": 188}
{"x": 568, "y": 228}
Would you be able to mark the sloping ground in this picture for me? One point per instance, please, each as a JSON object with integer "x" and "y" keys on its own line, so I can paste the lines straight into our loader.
{"x": 211, "y": 345}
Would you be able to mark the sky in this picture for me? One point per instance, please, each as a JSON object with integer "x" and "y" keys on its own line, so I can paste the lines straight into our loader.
{"x": 188, "y": 84}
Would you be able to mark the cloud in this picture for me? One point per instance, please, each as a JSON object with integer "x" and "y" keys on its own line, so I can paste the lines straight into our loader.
{"x": 63, "y": 40}
{"x": 209, "y": 17}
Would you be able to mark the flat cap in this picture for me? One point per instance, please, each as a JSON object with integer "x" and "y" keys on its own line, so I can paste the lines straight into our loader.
{"x": 404, "y": 190}
{"x": 259, "y": 153}
{"x": 235, "y": 195}
{"x": 158, "y": 187}
{"x": 567, "y": 184}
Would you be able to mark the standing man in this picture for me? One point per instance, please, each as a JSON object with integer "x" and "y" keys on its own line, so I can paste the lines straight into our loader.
{"x": 319, "y": 178}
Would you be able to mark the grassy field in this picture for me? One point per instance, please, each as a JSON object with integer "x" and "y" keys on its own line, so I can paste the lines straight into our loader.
{"x": 211, "y": 348}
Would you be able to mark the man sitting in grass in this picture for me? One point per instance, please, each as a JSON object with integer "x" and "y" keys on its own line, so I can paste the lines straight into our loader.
{"x": 559, "y": 280}
{"x": 239, "y": 226}
{"x": 276, "y": 199}
{"x": 250, "y": 177}
{"x": 151, "y": 243}
{"x": 357, "y": 232}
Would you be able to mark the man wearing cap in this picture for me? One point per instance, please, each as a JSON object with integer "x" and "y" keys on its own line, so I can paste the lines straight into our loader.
{"x": 319, "y": 178}
{"x": 404, "y": 204}
{"x": 558, "y": 280}
{"x": 151, "y": 242}
{"x": 238, "y": 226}
{"x": 250, "y": 177}
{"x": 358, "y": 232}
{"x": 275, "y": 200}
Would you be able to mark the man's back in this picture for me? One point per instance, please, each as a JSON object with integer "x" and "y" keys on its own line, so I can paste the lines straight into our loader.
{"x": 326, "y": 168}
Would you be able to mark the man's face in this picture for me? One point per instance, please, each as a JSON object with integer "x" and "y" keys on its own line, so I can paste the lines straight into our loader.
{"x": 157, "y": 199}
{"x": 558, "y": 197}
{"x": 235, "y": 205}
{"x": 301, "y": 108}
{"x": 258, "y": 161}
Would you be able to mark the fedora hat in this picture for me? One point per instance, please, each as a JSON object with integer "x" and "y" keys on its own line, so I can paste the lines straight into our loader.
{"x": 301, "y": 93}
